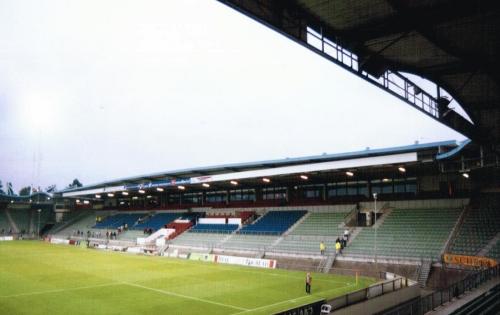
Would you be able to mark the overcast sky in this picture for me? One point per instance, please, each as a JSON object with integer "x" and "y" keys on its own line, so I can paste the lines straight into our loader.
{"x": 99, "y": 90}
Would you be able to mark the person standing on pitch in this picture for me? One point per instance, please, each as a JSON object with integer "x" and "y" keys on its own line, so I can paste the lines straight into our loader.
{"x": 308, "y": 283}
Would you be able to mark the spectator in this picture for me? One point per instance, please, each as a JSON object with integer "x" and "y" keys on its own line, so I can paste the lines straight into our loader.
{"x": 322, "y": 248}
{"x": 346, "y": 234}
{"x": 337, "y": 247}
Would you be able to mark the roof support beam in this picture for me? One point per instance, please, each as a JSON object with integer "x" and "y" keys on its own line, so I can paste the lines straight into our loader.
{"x": 291, "y": 15}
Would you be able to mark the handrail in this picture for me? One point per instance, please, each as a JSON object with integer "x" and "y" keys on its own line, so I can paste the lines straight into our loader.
{"x": 435, "y": 299}
{"x": 350, "y": 214}
{"x": 370, "y": 292}
{"x": 456, "y": 229}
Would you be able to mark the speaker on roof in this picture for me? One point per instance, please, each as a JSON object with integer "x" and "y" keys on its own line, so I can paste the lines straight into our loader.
{"x": 442, "y": 103}
{"x": 374, "y": 66}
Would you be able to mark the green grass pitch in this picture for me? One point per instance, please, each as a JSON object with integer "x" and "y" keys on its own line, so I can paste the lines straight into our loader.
{"x": 41, "y": 278}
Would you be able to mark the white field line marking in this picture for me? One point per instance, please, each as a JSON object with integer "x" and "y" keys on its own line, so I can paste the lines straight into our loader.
{"x": 343, "y": 287}
{"x": 290, "y": 300}
{"x": 61, "y": 290}
{"x": 270, "y": 305}
{"x": 184, "y": 296}
{"x": 245, "y": 269}
{"x": 288, "y": 276}
{"x": 176, "y": 261}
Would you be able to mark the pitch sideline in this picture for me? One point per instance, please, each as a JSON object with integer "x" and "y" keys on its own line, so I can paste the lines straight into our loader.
{"x": 184, "y": 296}
{"x": 61, "y": 290}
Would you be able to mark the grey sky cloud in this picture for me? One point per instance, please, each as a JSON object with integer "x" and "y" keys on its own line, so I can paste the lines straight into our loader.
{"x": 106, "y": 89}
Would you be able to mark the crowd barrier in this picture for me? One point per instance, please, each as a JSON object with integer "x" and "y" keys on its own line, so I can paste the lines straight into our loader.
{"x": 369, "y": 292}
{"x": 435, "y": 299}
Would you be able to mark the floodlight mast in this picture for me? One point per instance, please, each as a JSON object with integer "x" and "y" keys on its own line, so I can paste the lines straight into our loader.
{"x": 39, "y": 212}
{"x": 375, "y": 224}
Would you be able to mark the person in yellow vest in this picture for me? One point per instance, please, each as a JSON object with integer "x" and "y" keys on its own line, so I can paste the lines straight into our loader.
{"x": 337, "y": 247}
{"x": 322, "y": 248}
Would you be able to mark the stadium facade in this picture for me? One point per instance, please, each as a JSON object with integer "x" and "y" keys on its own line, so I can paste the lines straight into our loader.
{"x": 418, "y": 171}
{"x": 427, "y": 211}
{"x": 410, "y": 210}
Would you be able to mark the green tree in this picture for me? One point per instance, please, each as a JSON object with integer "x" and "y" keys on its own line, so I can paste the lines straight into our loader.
{"x": 1, "y": 186}
{"x": 25, "y": 191}
{"x": 75, "y": 184}
{"x": 10, "y": 191}
{"x": 51, "y": 188}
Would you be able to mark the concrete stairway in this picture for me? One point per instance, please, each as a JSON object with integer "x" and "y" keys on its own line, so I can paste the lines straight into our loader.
{"x": 32, "y": 221}
{"x": 277, "y": 241}
{"x": 353, "y": 234}
{"x": 304, "y": 217}
{"x": 321, "y": 264}
{"x": 13, "y": 224}
{"x": 329, "y": 263}
{"x": 63, "y": 225}
{"x": 490, "y": 244}
{"x": 225, "y": 239}
{"x": 456, "y": 229}
{"x": 380, "y": 221}
{"x": 423, "y": 275}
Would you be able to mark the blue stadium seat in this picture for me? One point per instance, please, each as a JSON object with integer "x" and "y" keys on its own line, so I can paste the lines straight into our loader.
{"x": 157, "y": 221}
{"x": 117, "y": 220}
{"x": 274, "y": 223}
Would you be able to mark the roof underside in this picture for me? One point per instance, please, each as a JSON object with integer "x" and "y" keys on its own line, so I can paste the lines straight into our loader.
{"x": 453, "y": 43}
{"x": 434, "y": 148}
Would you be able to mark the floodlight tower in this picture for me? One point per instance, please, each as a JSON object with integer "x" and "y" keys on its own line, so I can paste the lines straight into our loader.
{"x": 375, "y": 224}
{"x": 39, "y": 212}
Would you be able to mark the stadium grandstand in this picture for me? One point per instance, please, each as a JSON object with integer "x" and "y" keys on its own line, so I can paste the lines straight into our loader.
{"x": 284, "y": 209}
{"x": 402, "y": 214}
{"x": 416, "y": 226}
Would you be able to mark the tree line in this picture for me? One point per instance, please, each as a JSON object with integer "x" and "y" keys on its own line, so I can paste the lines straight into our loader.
{"x": 28, "y": 190}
